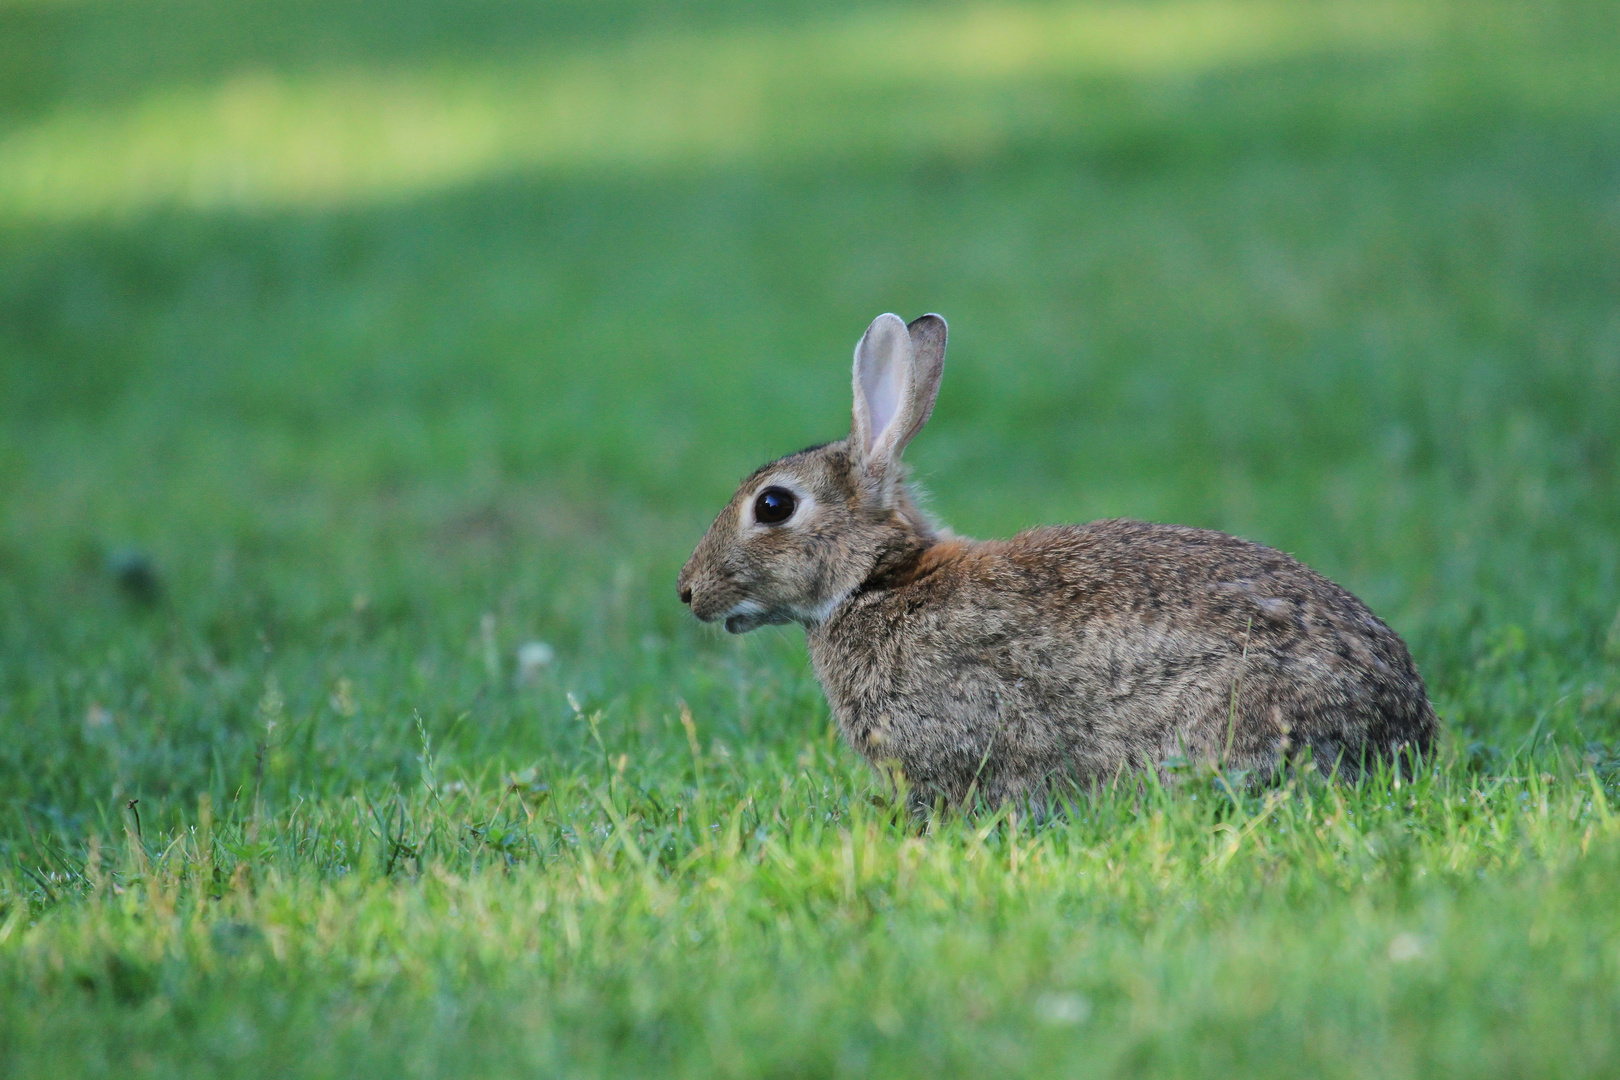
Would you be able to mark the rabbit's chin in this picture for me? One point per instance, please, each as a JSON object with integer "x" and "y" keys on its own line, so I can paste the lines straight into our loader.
{"x": 751, "y": 615}
{"x": 741, "y": 624}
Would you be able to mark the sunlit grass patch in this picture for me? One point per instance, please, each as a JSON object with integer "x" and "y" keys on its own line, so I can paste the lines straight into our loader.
{"x": 915, "y": 81}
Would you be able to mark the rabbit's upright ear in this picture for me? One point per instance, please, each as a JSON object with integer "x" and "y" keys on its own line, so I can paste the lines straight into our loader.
{"x": 927, "y": 335}
{"x": 897, "y": 373}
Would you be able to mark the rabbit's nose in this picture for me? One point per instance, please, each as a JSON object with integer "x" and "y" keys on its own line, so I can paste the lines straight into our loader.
{"x": 686, "y": 594}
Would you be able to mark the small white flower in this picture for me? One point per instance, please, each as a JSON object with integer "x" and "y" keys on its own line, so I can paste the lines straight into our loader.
{"x": 1062, "y": 1010}
{"x": 532, "y": 656}
{"x": 1405, "y": 946}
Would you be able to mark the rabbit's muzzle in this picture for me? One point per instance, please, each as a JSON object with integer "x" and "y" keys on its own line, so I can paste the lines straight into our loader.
{"x": 719, "y": 597}
{"x": 710, "y": 595}
{"x": 708, "y": 604}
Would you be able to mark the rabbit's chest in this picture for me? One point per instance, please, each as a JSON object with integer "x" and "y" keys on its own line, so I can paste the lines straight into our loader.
{"x": 933, "y": 703}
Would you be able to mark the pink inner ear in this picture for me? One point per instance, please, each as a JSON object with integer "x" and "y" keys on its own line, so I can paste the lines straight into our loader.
{"x": 883, "y": 376}
{"x": 882, "y": 388}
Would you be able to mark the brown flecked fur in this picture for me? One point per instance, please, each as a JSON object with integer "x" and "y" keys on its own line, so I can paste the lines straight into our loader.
{"x": 1006, "y": 668}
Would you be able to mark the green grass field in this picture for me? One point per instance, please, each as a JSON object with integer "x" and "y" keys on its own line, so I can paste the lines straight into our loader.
{"x": 345, "y": 349}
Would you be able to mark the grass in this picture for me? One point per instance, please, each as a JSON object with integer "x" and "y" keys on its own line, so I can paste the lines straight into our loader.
{"x": 306, "y": 430}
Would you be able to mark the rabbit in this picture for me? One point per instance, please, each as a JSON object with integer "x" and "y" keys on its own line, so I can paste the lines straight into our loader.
{"x": 1014, "y": 669}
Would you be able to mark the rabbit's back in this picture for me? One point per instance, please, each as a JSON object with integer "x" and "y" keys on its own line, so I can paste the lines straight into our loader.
{"x": 1070, "y": 652}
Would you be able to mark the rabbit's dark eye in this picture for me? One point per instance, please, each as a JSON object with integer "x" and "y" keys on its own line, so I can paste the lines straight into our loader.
{"x": 774, "y": 506}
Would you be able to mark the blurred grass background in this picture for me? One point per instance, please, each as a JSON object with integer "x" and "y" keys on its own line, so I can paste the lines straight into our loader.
{"x": 391, "y": 336}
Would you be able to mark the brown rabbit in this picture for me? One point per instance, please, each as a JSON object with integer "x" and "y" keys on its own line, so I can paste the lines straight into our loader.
{"x": 1008, "y": 668}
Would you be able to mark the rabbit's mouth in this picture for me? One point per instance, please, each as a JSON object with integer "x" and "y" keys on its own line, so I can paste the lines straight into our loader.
{"x": 751, "y": 615}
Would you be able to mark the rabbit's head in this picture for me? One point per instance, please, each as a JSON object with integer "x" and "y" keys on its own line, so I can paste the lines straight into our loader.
{"x": 807, "y": 530}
